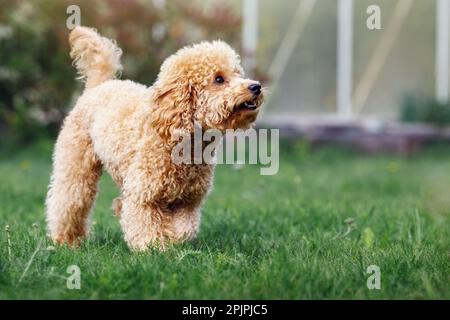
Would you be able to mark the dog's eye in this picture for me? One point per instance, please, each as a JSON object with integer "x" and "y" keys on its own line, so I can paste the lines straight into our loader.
{"x": 219, "y": 79}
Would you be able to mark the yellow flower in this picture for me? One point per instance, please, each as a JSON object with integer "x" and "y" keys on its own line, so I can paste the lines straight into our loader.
{"x": 393, "y": 167}
{"x": 25, "y": 165}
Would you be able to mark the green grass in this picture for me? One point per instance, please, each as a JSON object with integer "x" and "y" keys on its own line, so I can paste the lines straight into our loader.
{"x": 286, "y": 236}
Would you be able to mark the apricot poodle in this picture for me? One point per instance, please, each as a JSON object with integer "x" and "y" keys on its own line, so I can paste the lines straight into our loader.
{"x": 129, "y": 130}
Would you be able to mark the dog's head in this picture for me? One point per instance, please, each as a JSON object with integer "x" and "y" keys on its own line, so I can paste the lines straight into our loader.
{"x": 204, "y": 83}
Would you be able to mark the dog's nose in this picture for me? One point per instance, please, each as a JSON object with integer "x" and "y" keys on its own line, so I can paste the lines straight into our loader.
{"x": 255, "y": 88}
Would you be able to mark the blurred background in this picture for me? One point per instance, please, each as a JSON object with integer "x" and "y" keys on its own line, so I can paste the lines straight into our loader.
{"x": 330, "y": 77}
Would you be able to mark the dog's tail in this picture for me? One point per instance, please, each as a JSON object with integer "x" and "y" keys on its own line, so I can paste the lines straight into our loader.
{"x": 96, "y": 58}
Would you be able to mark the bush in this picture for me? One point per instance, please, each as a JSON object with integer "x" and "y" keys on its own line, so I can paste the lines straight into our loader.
{"x": 37, "y": 80}
{"x": 425, "y": 110}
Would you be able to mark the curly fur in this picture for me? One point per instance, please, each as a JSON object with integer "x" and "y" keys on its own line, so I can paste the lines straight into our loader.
{"x": 96, "y": 58}
{"x": 129, "y": 130}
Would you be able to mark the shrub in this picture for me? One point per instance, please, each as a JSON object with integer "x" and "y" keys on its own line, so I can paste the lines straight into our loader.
{"x": 425, "y": 110}
{"x": 37, "y": 85}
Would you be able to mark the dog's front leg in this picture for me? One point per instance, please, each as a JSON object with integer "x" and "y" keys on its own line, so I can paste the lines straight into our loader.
{"x": 146, "y": 225}
{"x": 141, "y": 224}
{"x": 182, "y": 224}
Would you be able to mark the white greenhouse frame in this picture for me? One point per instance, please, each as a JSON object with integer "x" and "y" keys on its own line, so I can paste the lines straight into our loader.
{"x": 349, "y": 103}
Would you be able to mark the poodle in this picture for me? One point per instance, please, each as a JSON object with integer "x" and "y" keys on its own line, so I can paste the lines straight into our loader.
{"x": 129, "y": 130}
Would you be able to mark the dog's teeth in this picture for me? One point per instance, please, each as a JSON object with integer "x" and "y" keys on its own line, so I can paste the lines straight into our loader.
{"x": 245, "y": 105}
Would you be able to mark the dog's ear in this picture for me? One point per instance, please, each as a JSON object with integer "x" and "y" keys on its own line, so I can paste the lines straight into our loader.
{"x": 173, "y": 111}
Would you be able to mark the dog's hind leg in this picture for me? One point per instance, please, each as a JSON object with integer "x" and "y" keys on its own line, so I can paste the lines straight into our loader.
{"x": 73, "y": 185}
{"x": 117, "y": 206}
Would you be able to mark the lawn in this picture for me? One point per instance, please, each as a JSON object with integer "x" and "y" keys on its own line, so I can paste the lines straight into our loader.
{"x": 308, "y": 232}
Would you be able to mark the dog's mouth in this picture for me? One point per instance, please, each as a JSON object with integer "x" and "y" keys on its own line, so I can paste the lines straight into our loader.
{"x": 246, "y": 106}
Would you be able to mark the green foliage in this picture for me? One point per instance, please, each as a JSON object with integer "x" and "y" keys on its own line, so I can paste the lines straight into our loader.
{"x": 37, "y": 80}
{"x": 425, "y": 110}
{"x": 310, "y": 231}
